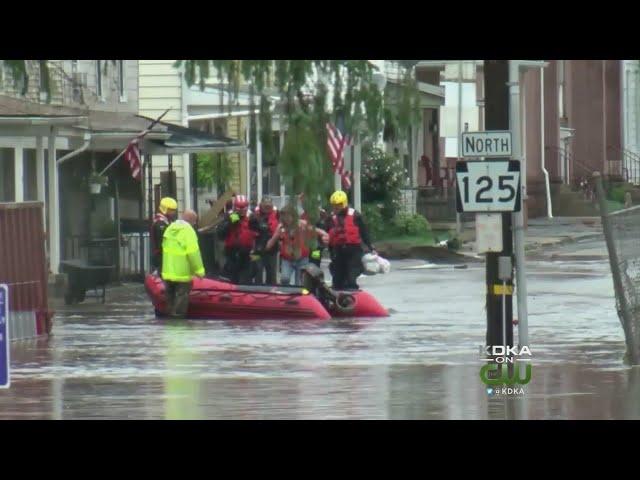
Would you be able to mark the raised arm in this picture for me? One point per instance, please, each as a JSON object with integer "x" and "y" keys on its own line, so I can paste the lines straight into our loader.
{"x": 274, "y": 238}
{"x": 323, "y": 234}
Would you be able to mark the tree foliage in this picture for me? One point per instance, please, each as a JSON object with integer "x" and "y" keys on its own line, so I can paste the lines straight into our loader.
{"x": 307, "y": 94}
{"x": 213, "y": 169}
{"x": 382, "y": 178}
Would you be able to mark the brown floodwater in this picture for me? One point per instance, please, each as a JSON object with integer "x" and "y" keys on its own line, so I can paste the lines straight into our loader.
{"x": 118, "y": 362}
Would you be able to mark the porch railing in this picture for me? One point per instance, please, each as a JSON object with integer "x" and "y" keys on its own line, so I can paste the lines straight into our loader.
{"x": 572, "y": 172}
{"x": 103, "y": 251}
{"x": 630, "y": 164}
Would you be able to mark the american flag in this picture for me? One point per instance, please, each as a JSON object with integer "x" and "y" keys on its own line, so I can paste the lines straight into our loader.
{"x": 337, "y": 140}
{"x": 132, "y": 151}
{"x": 132, "y": 156}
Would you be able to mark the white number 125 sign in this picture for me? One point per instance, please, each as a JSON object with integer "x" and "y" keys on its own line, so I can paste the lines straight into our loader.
{"x": 488, "y": 186}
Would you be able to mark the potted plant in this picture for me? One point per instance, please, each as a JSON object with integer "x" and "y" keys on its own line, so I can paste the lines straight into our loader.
{"x": 96, "y": 182}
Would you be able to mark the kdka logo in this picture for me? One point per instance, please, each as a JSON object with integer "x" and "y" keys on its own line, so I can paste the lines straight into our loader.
{"x": 509, "y": 367}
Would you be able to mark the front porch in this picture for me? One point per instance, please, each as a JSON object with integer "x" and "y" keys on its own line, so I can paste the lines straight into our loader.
{"x": 107, "y": 227}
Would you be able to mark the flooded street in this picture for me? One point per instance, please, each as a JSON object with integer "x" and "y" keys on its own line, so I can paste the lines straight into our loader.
{"x": 119, "y": 362}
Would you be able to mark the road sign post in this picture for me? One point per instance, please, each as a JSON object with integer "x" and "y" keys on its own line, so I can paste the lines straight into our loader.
{"x": 5, "y": 379}
{"x": 499, "y": 301}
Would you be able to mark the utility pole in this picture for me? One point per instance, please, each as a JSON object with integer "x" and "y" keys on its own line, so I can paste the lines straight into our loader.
{"x": 499, "y": 298}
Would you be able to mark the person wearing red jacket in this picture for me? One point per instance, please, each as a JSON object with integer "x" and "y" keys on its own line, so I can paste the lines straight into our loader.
{"x": 347, "y": 234}
{"x": 239, "y": 230}
{"x": 167, "y": 213}
{"x": 267, "y": 264}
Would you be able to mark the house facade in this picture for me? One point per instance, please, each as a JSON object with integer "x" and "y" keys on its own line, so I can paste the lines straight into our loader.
{"x": 162, "y": 86}
{"x": 577, "y": 117}
{"x": 87, "y": 118}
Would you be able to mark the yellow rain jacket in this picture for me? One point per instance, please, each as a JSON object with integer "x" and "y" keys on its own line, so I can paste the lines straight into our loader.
{"x": 181, "y": 259}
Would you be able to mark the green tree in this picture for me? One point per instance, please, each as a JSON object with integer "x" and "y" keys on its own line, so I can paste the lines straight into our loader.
{"x": 302, "y": 88}
{"x": 213, "y": 169}
{"x": 382, "y": 178}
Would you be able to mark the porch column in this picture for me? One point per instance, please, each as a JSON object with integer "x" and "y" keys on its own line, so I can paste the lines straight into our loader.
{"x": 357, "y": 159}
{"x": 346, "y": 158}
{"x": 150, "y": 205}
{"x": 418, "y": 151}
{"x": 604, "y": 117}
{"x": 186, "y": 173}
{"x": 54, "y": 206}
{"x": 18, "y": 172}
{"x": 258, "y": 164}
{"x": 282, "y": 189}
{"x": 248, "y": 160}
{"x": 42, "y": 191}
{"x": 40, "y": 169}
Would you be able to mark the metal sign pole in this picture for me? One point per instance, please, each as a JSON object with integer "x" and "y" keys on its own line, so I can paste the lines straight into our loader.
{"x": 459, "y": 142}
{"x": 497, "y": 118}
{"x": 518, "y": 217}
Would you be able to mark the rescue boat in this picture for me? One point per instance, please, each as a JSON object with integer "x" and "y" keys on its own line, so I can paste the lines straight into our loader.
{"x": 213, "y": 299}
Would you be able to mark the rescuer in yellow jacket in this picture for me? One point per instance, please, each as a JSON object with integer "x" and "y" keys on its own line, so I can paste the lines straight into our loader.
{"x": 181, "y": 261}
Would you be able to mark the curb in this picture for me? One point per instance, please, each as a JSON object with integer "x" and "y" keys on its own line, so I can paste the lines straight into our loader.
{"x": 563, "y": 241}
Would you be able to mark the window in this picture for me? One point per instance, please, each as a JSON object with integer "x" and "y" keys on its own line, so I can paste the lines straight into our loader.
{"x": 99, "y": 80}
{"x": 30, "y": 177}
{"x": 220, "y": 126}
{"x": 7, "y": 175}
{"x": 121, "y": 81}
{"x": 43, "y": 81}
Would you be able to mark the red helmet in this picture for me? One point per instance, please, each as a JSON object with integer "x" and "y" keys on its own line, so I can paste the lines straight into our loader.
{"x": 240, "y": 202}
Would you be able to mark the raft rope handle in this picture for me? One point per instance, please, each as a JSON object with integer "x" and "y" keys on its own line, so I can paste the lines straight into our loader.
{"x": 215, "y": 292}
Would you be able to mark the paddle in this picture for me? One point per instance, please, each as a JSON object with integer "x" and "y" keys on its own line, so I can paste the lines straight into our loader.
{"x": 211, "y": 218}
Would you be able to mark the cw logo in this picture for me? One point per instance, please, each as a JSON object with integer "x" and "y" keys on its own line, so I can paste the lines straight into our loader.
{"x": 504, "y": 377}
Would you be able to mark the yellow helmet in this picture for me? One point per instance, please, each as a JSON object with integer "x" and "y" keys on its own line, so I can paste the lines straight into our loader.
{"x": 339, "y": 198}
{"x": 166, "y": 204}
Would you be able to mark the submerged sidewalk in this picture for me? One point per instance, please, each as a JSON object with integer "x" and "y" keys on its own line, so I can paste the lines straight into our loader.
{"x": 545, "y": 232}
{"x": 540, "y": 234}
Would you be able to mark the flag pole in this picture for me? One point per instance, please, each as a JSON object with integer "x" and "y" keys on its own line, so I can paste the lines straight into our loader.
{"x": 144, "y": 132}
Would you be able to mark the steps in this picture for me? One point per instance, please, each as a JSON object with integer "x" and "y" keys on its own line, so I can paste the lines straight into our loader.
{"x": 569, "y": 203}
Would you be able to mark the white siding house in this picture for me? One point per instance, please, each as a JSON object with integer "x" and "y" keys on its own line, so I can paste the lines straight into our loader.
{"x": 160, "y": 88}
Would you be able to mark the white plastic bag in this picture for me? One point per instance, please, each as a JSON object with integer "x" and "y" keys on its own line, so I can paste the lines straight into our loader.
{"x": 370, "y": 264}
{"x": 374, "y": 264}
{"x": 383, "y": 264}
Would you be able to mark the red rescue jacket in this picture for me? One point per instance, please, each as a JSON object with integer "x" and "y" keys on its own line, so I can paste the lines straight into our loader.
{"x": 347, "y": 234}
{"x": 240, "y": 235}
{"x": 272, "y": 219}
{"x": 156, "y": 243}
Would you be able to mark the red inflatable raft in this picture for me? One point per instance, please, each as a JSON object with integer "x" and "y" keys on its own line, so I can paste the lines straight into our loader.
{"x": 218, "y": 299}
